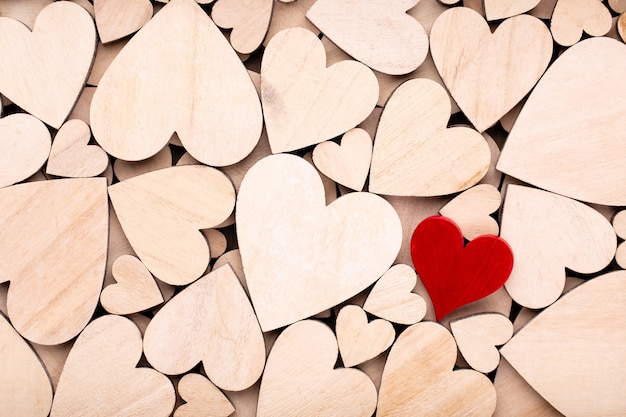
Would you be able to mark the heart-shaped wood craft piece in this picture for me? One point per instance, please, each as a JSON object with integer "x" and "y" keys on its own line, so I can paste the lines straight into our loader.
{"x": 156, "y": 87}
{"x": 202, "y": 398}
{"x": 489, "y": 73}
{"x": 415, "y": 154}
{"x": 501, "y": 9}
{"x": 100, "y": 379}
{"x": 571, "y": 17}
{"x": 378, "y": 33}
{"x": 248, "y": 20}
{"x": 555, "y": 144}
{"x": 38, "y": 71}
{"x": 72, "y": 156}
{"x": 135, "y": 290}
{"x": 305, "y": 103}
{"x": 455, "y": 275}
{"x": 549, "y": 233}
{"x": 418, "y": 379}
{"x": 118, "y": 18}
{"x": 200, "y": 324}
{"x": 299, "y": 378}
{"x": 162, "y": 213}
{"x": 320, "y": 255}
{"x": 54, "y": 255}
{"x": 24, "y": 147}
{"x": 471, "y": 211}
{"x": 573, "y": 352}
{"x": 392, "y": 297}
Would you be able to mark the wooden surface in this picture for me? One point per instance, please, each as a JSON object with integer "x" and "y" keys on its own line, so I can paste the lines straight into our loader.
{"x": 202, "y": 398}
{"x": 249, "y": 21}
{"x": 118, "y": 18}
{"x": 471, "y": 211}
{"x": 501, "y": 9}
{"x": 571, "y": 17}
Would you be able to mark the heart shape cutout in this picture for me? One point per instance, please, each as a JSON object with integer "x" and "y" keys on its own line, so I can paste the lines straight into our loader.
{"x": 418, "y": 378}
{"x": 455, "y": 275}
{"x": 471, "y": 211}
{"x": 249, "y": 22}
{"x": 364, "y": 32}
{"x": 571, "y": 17}
{"x": 72, "y": 156}
{"x": 501, "y": 9}
{"x": 299, "y": 378}
{"x": 202, "y": 398}
{"x": 415, "y": 154}
{"x": 565, "y": 154}
{"x": 118, "y": 18}
{"x": 155, "y": 88}
{"x": 392, "y": 297}
{"x": 24, "y": 147}
{"x": 577, "y": 346}
{"x": 303, "y": 108}
{"x": 135, "y": 290}
{"x": 200, "y": 325}
{"x": 162, "y": 213}
{"x": 320, "y": 255}
{"x": 487, "y": 73}
{"x": 38, "y": 71}
{"x": 100, "y": 375}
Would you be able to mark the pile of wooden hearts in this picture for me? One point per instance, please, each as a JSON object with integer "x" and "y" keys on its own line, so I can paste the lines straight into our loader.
{"x": 185, "y": 231}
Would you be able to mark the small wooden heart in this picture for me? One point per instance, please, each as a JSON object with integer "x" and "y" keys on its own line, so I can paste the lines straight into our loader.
{"x": 571, "y": 17}
{"x": 471, "y": 211}
{"x": 202, "y": 398}
{"x": 118, "y": 18}
{"x": 501, "y": 9}
{"x": 248, "y": 20}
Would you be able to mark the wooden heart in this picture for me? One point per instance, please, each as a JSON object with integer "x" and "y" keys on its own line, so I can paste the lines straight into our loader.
{"x": 299, "y": 378}
{"x": 349, "y": 163}
{"x": 38, "y": 71}
{"x": 501, "y": 9}
{"x": 415, "y": 154}
{"x": 619, "y": 225}
{"x": 549, "y": 233}
{"x": 455, "y": 275}
{"x": 248, "y": 20}
{"x": 26, "y": 388}
{"x": 320, "y": 255}
{"x": 162, "y": 213}
{"x": 156, "y": 87}
{"x": 118, "y": 18}
{"x": 305, "y": 103}
{"x": 24, "y": 147}
{"x": 489, "y": 73}
{"x": 202, "y": 398}
{"x": 392, "y": 297}
{"x": 471, "y": 211}
{"x": 418, "y": 379}
{"x": 378, "y": 33}
{"x": 72, "y": 156}
{"x": 135, "y": 290}
{"x": 358, "y": 340}
{"x": 200, "y": 325}
{"x": 54, "y": 254}
{"x": 100, "y": 379}
{"x": 571, "y": 17}
{"x": 477, "y": 336}
{"x": 565, "y": 154}
{"x": 572, "y": 353}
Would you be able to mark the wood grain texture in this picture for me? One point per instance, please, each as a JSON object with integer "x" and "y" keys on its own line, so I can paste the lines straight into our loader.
{"x": 105, "y": 54}
{"x": 619, "y": 224}
{"x": 249, "y": 21}
{"x": 618, "y": 6}
{"x": 217, "y": 242}
{"x": 290, "y": 15}
{"x": 72, "y": 156}
{"x": 202, "y": 398}
{"x": 501, "y": 9}
{"x": 544, "y": 9}
{"x": 25, "y": 12}
{"x": 128, "y": 169}
{"x": 116, "y": 19}
{"x": 471, "y": 211}
{"x": 571, "y": 17}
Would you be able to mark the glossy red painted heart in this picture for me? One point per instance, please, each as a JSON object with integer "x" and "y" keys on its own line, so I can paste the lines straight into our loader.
{"x": 455, "y": 275}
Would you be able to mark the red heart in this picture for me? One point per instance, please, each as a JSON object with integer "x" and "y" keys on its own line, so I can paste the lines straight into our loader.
{"x": 453, "y": 275}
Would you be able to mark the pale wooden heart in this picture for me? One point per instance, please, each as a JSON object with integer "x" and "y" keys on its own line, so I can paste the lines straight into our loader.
{"x": 573, "y": 352}
{"x": 347, "y": 164}
{"x": 471, "y": 211}
{"x": 571, "y": 17}
{"x": 100, "y": 379}
{"x": 26, "y": 388}
{"x": 489, "y": 73}
{"x": 555, "y": 144}
{"x": 548, "y": 233}
{"x": 156, "y": 87}
{"x": 135, "y": 290}
{"x": 378, "y": 33}
{"x": 415, "y": 154}
{"x": 305, "y": 103}
{"x": 202, "y": 398}
{"x": 501, "y": 9}
{"x": 162, "y": 213}
{"x": 201, "y": 324}
{"x": 358, "y": 340}
{"x": 118, "y": 18}
{"x": 249, "y": 21}
{"x": 392, "y": 297}
{"x": 320, "y": 255}
{"x": 477, "y": 337}
{"x": 24, "y": 147}
{"x": 299, "y": 378}
{"x": 38, "y": 71}
{"x": 72, "y": 156}
{"x": 418, "y": 379}
{"x": 56, "y": 256}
